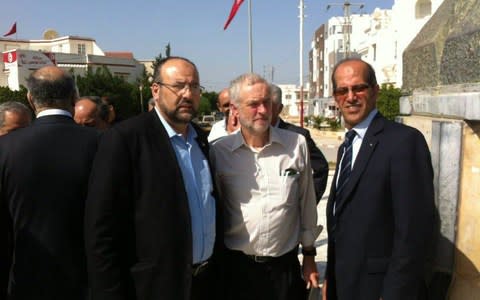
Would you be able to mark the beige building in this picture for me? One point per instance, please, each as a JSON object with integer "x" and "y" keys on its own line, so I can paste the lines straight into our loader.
{"x": 72, "y": 53}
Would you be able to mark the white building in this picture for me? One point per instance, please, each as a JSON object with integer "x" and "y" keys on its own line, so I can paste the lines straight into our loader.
{"x": 291, "y": 100}
{"x": 72, "y": 53}
{"x": 379, "y": 38}
{"x": 408, "y": 18}
{"x": 338, "y": 31}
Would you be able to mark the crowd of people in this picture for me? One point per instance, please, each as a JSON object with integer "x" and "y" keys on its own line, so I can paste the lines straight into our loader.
{"x": 154, "y": 207}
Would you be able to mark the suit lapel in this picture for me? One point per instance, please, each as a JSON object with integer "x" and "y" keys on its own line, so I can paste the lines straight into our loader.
{"x": 159, "y": 136}
{"x": 367, "y": 148}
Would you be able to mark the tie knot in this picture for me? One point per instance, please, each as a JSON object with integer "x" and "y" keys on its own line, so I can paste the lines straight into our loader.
{"x": 349, "y": 136}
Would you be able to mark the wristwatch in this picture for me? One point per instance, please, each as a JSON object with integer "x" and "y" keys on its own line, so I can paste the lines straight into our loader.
{"x": 309, "y": 252}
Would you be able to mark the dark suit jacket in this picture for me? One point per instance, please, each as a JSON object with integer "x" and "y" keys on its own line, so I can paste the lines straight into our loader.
{"x": 44, "y": 176}
{"x": 378, "y": 238}
{"x": 138, "y": 228}
{"x": 317, "y": 159}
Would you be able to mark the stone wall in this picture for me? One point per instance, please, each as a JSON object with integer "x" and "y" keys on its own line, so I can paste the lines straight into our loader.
{"x": 447, "y": 50}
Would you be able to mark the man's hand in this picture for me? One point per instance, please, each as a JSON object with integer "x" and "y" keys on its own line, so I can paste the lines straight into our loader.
{"x": 310, "y": 273}
{"x": 324, "y": 290}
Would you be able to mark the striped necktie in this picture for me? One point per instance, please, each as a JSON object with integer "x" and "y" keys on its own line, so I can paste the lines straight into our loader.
{"x": 346, "y": 165}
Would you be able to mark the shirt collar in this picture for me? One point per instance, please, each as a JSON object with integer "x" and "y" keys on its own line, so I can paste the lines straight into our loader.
{"x": 361, "y": 128}
{"x": 53, "y": 111}
{"x": 191, "y": 133}
{"x": 274, "y": 137}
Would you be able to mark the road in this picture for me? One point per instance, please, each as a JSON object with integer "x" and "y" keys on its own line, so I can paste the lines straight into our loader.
{"x": 328, "y": 142}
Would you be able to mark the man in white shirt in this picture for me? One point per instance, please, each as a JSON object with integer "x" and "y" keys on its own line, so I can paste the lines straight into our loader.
{"x": 264, "y": 177}
{"x": 227, "y": 124}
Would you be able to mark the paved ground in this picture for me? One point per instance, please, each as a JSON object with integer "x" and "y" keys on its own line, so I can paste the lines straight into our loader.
{"x": 328, "y": 142}
{"x": 321, "y": 242}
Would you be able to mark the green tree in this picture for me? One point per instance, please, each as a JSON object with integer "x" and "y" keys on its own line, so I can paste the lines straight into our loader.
{"x": 143, "y": 84}
{"x": 388, "y": 101}
{"x": 204, "y": 108}
{"x": 6, "y": 94}
{"x": 212, "y": 99}
{"x": 125, "y": 96}
{"x": 160, "y": 56}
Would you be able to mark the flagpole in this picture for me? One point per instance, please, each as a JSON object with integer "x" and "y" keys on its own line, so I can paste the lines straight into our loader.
{"x": 250, "y": 40}
{"x": 301, "y": 62}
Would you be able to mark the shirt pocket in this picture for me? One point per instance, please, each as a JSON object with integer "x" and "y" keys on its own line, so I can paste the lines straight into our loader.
{"x": 289, "y": 188}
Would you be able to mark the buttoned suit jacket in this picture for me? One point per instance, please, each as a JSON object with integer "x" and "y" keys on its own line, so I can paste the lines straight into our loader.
{"x": 383, "y": 221}
{"x": 138, "y": 227}
{"x": 44, "y": 176}
{"x": 317, "y": 159}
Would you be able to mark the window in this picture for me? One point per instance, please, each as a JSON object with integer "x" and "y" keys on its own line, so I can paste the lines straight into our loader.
{"x": 288, "y": 97}
{"x": 81, "y": 49}
{"x": 423, "y": 8}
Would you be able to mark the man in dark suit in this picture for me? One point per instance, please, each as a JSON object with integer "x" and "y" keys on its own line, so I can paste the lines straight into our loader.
{"x": 381, "y": 208}
{"x": 317, "y": 159}
{"x": 44, "y": 174}
{"x": 151, "y": 216}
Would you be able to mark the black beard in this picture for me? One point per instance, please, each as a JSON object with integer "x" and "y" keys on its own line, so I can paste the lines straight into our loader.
{"x": 175, "y": 116}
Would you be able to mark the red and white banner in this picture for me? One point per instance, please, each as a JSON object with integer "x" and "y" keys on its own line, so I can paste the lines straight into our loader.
{"x": 12, "y": 30}
{"x": 10, "y": 57}
{"x": 28, "y": 59}
{"x": 233, "y": 12}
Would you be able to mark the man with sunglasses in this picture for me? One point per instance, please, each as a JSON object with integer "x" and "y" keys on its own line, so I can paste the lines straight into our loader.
{"x": 151, "y": 215}
{"x": 380, "y": 210}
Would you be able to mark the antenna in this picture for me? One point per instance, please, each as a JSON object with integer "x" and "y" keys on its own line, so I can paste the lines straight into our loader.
{"x": 347, "y": 21}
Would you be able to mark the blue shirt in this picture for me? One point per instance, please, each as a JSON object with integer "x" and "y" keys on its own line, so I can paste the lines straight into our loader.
{"x": 198, "y": 185}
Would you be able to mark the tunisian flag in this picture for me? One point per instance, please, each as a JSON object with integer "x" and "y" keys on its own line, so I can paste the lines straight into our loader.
{"x": 235, "y": 7}
{"x": 12, "y": 30}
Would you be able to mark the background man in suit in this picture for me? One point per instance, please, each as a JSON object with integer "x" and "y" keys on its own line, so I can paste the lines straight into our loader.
{"x": 14, "y": 115}
{"x": 151, "y": 214}
{"x": 265, "y": 178}
{"x": 229, "y": 123}
{"x": 45, "y": 169}
{"x": 317, "y": 159}
{"x": 381, "y": 207}
{"x": 91, "y": 111}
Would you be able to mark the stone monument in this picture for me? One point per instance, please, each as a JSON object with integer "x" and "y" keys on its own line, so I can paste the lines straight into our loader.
{"x": 441, "y": 77}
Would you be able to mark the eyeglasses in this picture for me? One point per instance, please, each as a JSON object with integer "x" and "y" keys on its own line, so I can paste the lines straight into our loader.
{"x": 178, "y": 88}
{"x": 356, "y": 89}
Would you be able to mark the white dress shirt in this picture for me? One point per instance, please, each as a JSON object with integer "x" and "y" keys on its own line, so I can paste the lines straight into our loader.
{"x": 218, "y": 130}
{"x": 268, "y": 193}
{"x": 53, "y": 112}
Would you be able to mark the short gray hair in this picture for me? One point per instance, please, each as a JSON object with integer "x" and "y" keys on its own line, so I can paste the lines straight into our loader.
{"x": 248, "y": 79}
{"x": 276, "y": 94}
{"x": 13, "y": 106}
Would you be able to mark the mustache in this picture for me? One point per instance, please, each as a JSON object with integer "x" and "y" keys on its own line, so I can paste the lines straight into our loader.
{"x": 185, "y": 101}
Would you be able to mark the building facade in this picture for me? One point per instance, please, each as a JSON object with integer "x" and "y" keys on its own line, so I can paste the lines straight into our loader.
{"x": 378, "y": 38}
{"x": 72, "y": 53}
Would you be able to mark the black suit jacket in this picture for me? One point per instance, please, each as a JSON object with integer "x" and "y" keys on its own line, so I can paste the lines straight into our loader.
{"x": 44, "y": 176}
{"x": 138, "y": 228}
{"x": 378, "y": 237}
{"x": 317, "y": 159}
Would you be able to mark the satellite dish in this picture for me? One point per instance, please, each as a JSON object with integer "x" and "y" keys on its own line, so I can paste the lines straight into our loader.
{"x": 50, "y": 34}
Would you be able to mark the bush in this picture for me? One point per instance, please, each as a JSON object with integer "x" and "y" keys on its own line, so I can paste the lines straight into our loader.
{"x": 388, "y": 101}
{"x": 8, "y": 95}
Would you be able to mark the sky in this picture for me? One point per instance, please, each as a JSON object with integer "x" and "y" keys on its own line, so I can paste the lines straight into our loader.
{"x": 193, "y": 28}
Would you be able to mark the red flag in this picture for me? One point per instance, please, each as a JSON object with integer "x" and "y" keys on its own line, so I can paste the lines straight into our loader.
{"x": 12, "y": 30}
{"x": 233, "y": 12}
